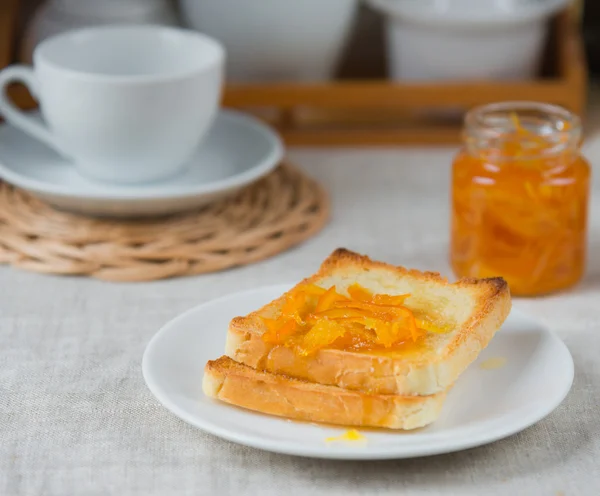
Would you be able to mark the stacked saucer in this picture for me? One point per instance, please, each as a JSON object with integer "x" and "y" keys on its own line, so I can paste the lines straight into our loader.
{"x": 237, "y": 151}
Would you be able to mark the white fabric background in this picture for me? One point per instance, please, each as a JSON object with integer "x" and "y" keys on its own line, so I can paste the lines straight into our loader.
{"x": 77, "y": 419}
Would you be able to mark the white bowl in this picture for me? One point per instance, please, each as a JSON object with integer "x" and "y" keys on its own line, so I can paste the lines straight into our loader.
{"x": 275, "y": 40}
{"x": 445, "y": 40}
{"x": 115, "y": 9}
{"x": 59, "y": 16}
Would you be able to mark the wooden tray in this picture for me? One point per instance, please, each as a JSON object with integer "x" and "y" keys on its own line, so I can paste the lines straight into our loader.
{"x": 381, "y": 112}
{"x": 367, "y": 109}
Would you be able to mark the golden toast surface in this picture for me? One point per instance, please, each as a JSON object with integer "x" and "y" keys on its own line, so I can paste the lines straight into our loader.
{"x": 474, "y": 309}
{"x": 240, "y": 385}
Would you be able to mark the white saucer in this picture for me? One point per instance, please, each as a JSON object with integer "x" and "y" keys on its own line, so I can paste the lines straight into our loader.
{"x": 484, "y": 406}
{"x": 237, "y": 151}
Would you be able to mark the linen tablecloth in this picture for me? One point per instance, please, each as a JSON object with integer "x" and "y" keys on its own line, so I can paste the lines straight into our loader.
{"x": 77, "y": 419}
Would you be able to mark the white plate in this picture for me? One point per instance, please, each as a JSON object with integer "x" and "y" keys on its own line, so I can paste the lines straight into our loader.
{"x": 237, "y": 151}
{"x": 484, "y": 406}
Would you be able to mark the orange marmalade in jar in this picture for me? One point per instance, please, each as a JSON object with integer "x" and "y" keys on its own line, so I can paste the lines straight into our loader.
{"x": 519, "y": 197}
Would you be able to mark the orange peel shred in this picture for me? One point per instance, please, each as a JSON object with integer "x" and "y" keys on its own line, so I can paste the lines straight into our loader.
{"x": 313, "y": 318}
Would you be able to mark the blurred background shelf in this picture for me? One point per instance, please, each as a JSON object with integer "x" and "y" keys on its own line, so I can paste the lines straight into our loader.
{"x": 9, "y": 19}
{"x": 360, "y": 109}
{"x": 361, "y": 106}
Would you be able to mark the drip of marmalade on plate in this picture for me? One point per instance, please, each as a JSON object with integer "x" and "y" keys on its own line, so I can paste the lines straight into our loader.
{"x": 313, "y": 318}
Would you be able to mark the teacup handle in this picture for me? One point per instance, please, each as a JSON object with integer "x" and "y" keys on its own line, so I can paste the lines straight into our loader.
{"x": 25, "y": 75}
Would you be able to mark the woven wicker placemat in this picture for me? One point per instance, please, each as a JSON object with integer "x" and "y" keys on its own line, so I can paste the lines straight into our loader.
{"x": 272, "y": 215}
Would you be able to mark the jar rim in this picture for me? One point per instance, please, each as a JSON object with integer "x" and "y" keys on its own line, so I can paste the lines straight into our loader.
{"x": 562, "y": 127}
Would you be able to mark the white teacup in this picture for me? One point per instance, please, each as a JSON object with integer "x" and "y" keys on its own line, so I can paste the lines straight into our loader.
{"x": 126, "y": 104}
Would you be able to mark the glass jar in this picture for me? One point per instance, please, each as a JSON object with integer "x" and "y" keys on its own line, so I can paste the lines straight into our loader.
{"x": 520, "y": 192}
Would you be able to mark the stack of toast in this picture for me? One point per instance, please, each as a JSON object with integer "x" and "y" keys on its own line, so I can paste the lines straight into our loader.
{"x": 398, "y": 387}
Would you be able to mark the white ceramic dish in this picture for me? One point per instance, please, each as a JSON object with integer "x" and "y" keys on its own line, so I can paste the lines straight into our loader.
{"x": 432, "y": 40}
{"x": 237, "y": 151}
{"x": 58, "y": 16}
{"x": 111, "y": 9}
{"x": 484, "y": 406}
{"x": 275, "y": 40}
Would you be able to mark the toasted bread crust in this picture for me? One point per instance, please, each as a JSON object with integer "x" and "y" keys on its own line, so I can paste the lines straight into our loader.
{"x": 380, "y": 373}
{"x": 240, "y": 385}
{"x": 342, "y": 258}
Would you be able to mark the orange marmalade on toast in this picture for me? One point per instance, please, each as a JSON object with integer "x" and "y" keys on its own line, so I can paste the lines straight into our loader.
{"x": 313, "y": 318}
{"x": 519, "y": 197}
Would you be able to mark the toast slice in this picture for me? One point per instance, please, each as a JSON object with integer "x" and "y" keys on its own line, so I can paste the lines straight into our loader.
{"x": 470, "y": 311}
{"x": 240, "y": 385}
